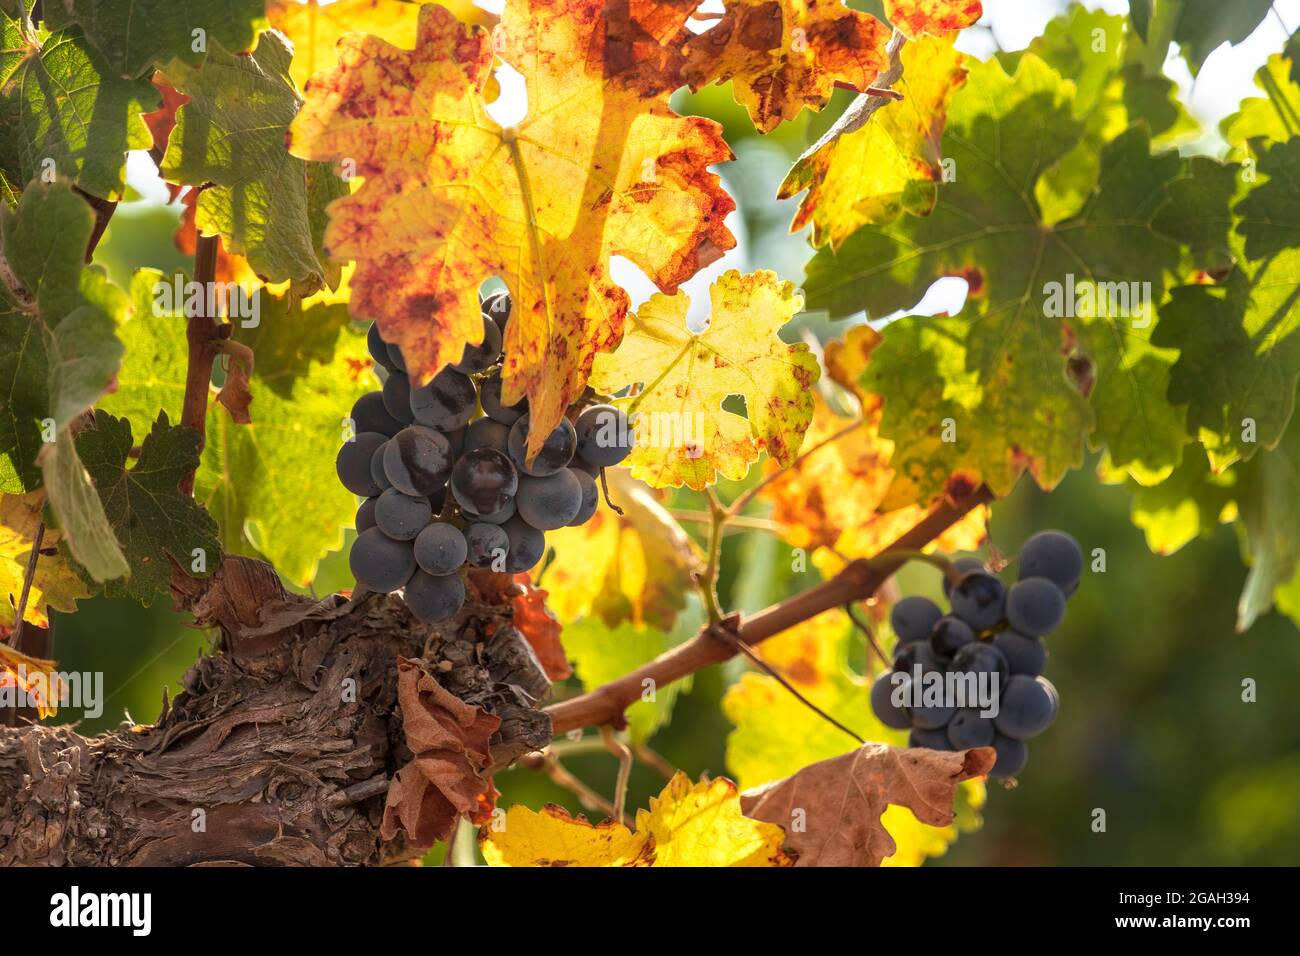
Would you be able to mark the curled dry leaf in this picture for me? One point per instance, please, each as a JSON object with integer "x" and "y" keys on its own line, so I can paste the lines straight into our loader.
{"x": 687, "y": 825}
{"x": 540, "y": 629}
{"x": 450, "y": 740}
{"x": 843, "y": 798}
{"x": 236, "y": 394}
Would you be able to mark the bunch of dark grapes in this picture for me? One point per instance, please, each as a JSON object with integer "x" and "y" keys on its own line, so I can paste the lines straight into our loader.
{"x": 444, "y": 478}
{"x": 991, "y": 630}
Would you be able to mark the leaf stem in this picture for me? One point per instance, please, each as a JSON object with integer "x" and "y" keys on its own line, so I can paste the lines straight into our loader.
{"x": 707, "y": 580}
{"x": 201, "y": 334}
{"x": 624, "y": 755}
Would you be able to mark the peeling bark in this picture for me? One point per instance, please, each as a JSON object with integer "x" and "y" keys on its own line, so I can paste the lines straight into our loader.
{"x": 280, "y": 748}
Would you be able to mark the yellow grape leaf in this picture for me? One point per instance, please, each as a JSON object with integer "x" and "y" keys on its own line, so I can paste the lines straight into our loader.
{"x": 914, "y": 17}
{"x": 833, "y": 496}
{"x": 683, "y": 435}
{"x": 597, "y": 168}
{"x": 315, "y": 29}
{"x": 783, "y": 55}
{"x": 875, "y": 164}
{"x": 56, "y": 583}
{"x": 631, "y": 567}
{"x": 776, "y": 735}
{"x": 687, "y": 825}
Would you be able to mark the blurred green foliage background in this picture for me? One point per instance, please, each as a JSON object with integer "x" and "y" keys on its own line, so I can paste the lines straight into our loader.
{"x": 1152, "y": 727}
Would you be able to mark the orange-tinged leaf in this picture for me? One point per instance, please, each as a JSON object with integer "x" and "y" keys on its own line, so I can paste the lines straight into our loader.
{"x": 596, "y": 168}
{"x": 872, "y": 169}
{"x": 630, "y": 567}
{"x": 914, "y": 17}
{"x": 783, "y": 55}
{"x": 683, "y": 434}
{"x": 540, "y": 628}
{"x": 315, "y": 29}
{"x": 687, "y": 825}
{"x": 842, "y": 800}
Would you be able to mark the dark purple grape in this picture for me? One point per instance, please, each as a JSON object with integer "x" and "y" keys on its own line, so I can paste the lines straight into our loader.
{"x": 440, "y": 548}
{"x": 929, "y": 739}
{"x": 353, "y": 464}
{"x": 395, "y": 356}
{"x": 402, "y": 516}
{"x": 968, "y": 729}
{"x": 489, "y": 395}
{"x": 497, "y": 306}
{"x": 978, "y": 599}
{"x": 590, "y": 497}
{"x": 950, "y": 634}
{"x": 446, "y": 402}
{"x": 488, "y": 545}
{"x": 379, "y": 348}
{"x": 484, "y": 481}
{"x": 604, "y": 436}
{"x": 908, "y": 656}
{"x": 1053, "y": 555}
{"x": 1025, "y": 655}
{"x": 931, "y": 717}
{"x": 963, "y": 565}
{"x": 500, "y": 516}
{"x": 365, "y": 515}
{"x": 1026, "y": 708}
{"x": 417, "y": 461}
{"x": 370, "y": 415}
{"x": 527, "y": 545}
{"x": 434, "y": 597}
{"x": 486, "y": 433}
{"x": 380, "y": 563}
{"x": 979, "y": 657}
{"x": 456, "y": 437}
{"x": 484, "y": 355}
{"x": 913, "y": 618}
{"x": 397, "y": 397}
{"x": 882, "y": 700}
{"x": 555, "y": 454}
{"x": 377, "y": 473}
{"x": 551, "y": 502}
{"x": 1035, "y": 606}
{"x": 1011, "y": 757}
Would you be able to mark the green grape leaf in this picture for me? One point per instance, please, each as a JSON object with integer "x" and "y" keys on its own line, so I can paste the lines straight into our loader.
{"x": 1199, "y": 27}
{"x": 268, "y": 206}
{"x": 58, "y": 353}
{"x": 1239, "y": 351}
{"x": 134, "y": 35}
{"x": 148, "y": 512}
{"x": 270, "y": 483}
{"x": 1275, "y": 116}
{"x": 1091, "y": 48}
{"x": 64, "y": 110}
{"x": 1190, "y": 503}
{"x": 1270, "y": 518}
{"x": 1018, "y": 372}
{"x": 600, "y": 653}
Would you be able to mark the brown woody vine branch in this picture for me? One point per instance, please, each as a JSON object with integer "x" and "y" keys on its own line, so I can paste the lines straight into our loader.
{"x": 203, "y": 334}
{"x": 717, "y": 643}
